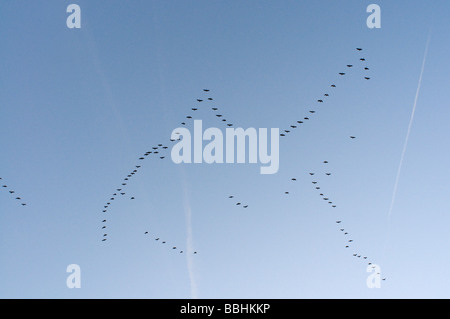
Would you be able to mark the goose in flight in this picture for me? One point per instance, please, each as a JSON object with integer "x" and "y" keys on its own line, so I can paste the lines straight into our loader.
{"x": 359, "y": 49}
{"x": 206, "y": 90}
{"x": 198, "y": 100}
{"x": 333, "y": 85}
{"x": 341, "y": 73}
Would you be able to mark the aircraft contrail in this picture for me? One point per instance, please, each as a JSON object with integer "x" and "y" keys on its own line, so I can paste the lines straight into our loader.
{"x": 394, "y": 193}
{"x": 189, "y": 239}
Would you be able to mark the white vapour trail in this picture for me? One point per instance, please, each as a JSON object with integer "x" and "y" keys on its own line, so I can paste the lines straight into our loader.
{"x": 394, "y": 193}
{"x": 189, "y": 239}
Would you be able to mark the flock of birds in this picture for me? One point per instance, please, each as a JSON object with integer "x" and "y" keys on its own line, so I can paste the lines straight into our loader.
{"x": 14, "y": 194}
{"x": 349, "y": 243}
{"x": 159, "y": 151}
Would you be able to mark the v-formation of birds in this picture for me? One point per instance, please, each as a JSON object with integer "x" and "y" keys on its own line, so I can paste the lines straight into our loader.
{"x": 159, "y": 151}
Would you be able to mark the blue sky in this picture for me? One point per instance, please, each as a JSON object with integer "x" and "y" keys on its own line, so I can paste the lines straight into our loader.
{"x": 78, "y": 107}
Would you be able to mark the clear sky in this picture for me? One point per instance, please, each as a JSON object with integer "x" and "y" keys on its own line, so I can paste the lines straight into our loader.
{"x": 78, "y": 107}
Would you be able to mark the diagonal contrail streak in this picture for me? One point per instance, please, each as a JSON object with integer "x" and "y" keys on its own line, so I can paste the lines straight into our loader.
{"x": 189, "y": 238}
{"x": 394, "y": 193}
